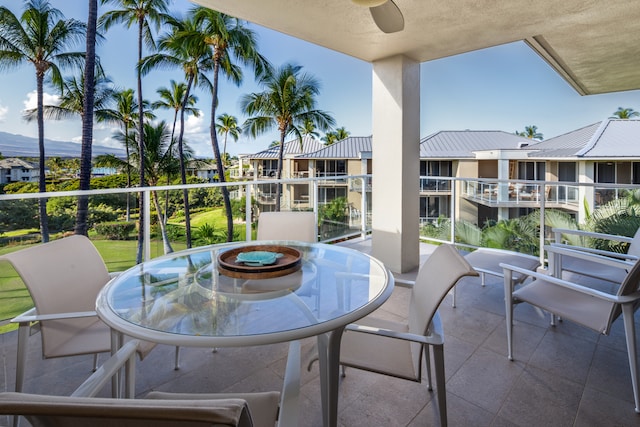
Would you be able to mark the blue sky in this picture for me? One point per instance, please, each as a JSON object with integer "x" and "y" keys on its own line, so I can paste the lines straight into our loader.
{"x": 501, "y": 88}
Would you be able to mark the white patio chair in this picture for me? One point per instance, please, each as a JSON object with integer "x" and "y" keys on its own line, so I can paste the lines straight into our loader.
{"x": 81, "y": 409}
{"x": 299, "y": 226}
{"x": 586, "y": 306}
{"x": 63, "y": 278}
{"x": 487, "y": 261}
{"x": 395, "y": 348}
{"x": 587, "y": 268}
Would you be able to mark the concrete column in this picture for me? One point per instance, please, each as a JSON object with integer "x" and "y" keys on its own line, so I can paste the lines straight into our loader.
{"x": 396, "y": 162}
{"x": 586, "y": 194}
{"x": 503, "y": 187}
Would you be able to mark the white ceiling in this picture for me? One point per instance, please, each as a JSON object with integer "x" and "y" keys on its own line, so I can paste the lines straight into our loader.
{"x": 593, "y": 44}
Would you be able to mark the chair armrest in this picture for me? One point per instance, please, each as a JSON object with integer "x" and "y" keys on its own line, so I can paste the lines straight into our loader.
{"x": 618, "y": 299}
{"x": 31, "y": 316}
{"x": 596, "y": 251}
{"x": 403, "y": 283}
{"x": 406, "y": 336}
{"x": 103, "y": 374}
{"x": 591, "y": 234}
{"x": 589, "y": 256}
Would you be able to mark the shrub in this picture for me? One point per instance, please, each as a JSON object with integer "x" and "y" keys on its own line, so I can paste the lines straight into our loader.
{"x": 115, "y": 230}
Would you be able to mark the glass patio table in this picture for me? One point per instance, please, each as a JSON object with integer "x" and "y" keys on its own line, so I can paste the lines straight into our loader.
{"x": 201, "y": 297}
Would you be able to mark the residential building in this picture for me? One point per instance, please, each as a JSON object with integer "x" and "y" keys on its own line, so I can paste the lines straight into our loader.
{"x": 494, "y": 165}
{"x": 202, "y": 169}
{"x": 264, "y": 166}
{"x": 18, "y": 170}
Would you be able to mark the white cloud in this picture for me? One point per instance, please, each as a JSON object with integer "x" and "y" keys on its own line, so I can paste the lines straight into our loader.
{"x": 32, "y": 100}
{"x": 3, "y": 113}
{"x": 107, "y": 141}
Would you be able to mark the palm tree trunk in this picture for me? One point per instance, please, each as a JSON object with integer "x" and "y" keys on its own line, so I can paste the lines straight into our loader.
{"x": 82, "y": 213}
{"x": 126, "y": 145}
{"x": 216, "y": 152}
{"x": 166, "y": 244}
{"x": 183, "y": 173}
{"x": 166, "y": 193}
{"x": 141, "y": 230}
{"x": 42, "y": 183}
{"x": 224, "y": 147}
{"x": 279, "y": 175}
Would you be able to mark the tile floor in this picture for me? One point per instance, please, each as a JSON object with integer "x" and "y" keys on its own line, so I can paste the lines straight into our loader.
{"x": 562, "y": 376}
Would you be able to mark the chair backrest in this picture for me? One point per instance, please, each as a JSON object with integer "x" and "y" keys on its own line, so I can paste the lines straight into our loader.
{"x": 47, "y": 411}
{"x": 437, "y": 275}
{"x": 630, "y": 285}
{"x": 300, "y": 226}
{"x": 634, "y": 246}
{"x": 62, "y": 276}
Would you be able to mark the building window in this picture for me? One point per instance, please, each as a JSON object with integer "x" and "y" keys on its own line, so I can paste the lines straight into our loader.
{"x": 269, "y": 168}
{"x": 331, "y": 167}
{"x": 531, "y": 171}
{"x": 327, "y": 194}
{"x": 635, "y": 173}
{"x": 435, "y": 168}
{"x": 605, "y": 172}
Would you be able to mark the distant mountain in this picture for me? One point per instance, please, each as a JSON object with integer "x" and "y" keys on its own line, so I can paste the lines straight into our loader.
{"x": 12, "y": 145}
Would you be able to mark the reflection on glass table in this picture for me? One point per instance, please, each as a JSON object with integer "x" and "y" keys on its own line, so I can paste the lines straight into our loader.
{"x": 186, "y": 299}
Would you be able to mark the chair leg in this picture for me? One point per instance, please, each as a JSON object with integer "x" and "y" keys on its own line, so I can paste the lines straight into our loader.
{"x": 508, "y": 310}
{"x": 21, "y": 361}
{"x": 95, "y": 362}
{"x": 453, "y": 297}
{"x": 630, "y": 333}
{"x": 438, "y": 358}
{"x": 427, "y": 359}
{"x": 177, "y": 361}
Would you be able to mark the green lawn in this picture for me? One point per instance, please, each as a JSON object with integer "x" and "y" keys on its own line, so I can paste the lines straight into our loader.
{"x": 214, "y": 217}
{"x": 118, "y": 255}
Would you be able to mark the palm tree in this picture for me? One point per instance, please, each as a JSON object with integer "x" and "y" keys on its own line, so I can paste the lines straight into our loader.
{"x": 72, "y": 96}
{"x": 82, "y": 211}
{"x": 72, "y": 104}
{"x": 309, "y": 129}
{"x": 41, "y": 37}
{"x": 624, "y": 113}
{"x": 125, "y": 114}
{"x": 288, "y": 101}
{"x": 330, "y": 138}
{"x": 342, "y": 133}
{"x": 160, "y": 160}
{"x": 174, "y": 99}
{"x": 227, "y": 125}
{"x": 142, "y": 13}
{"x": 335, "y": 136}
{"x": 530, "y": 132}
{"x": 183, "y": 47}
{"x": 229, "y": 39}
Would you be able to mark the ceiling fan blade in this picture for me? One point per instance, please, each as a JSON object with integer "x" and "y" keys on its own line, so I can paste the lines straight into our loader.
{"x": 388, "y": 17}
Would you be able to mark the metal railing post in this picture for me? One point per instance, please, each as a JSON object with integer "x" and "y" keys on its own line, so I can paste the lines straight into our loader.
{"x": 247, "y": 213}
{"x": 453, "y": 187}
{"x": 363, "y": 209}
{"x": 147, "y": 224}
{"x": 542, "y": 221}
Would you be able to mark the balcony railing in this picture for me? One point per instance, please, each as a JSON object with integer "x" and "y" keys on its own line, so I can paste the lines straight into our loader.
{"x": 512, "y": 193}
{"x": 434, "y": 185}
{"x": 454, "y": 194}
